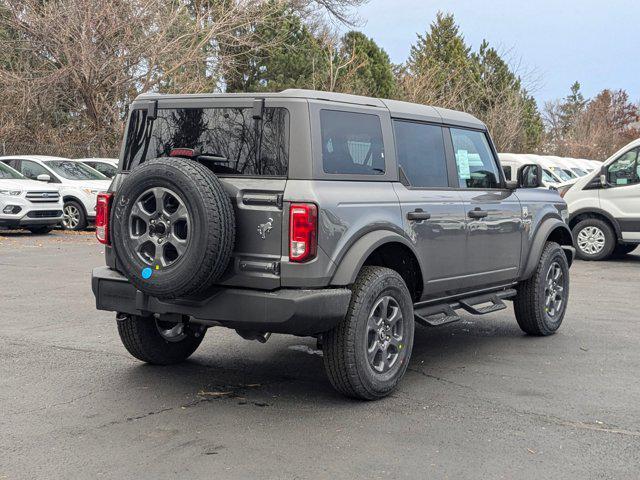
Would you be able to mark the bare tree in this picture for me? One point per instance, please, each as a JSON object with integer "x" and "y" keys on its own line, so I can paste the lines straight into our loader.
{"x": 85, "y": 60}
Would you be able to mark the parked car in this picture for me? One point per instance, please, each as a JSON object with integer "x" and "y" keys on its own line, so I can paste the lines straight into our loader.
{"x": 389, "y": 213}
{"x": 106, "y": 166}
{"x": 604, "y": 207}
{"x": 28, "y": 204}
{"x": 78, "y": 184}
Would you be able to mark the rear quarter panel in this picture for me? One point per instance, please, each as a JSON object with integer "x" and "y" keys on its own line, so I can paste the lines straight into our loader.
{"x": 347, "y": 210}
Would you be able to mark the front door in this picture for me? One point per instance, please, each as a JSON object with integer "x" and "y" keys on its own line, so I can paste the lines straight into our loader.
{"x": 432, "y": 211}
{"x": 621, "y": 197}
{"x": 493, "y": 214}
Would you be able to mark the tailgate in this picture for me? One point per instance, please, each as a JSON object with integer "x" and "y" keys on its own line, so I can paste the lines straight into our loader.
{"x": 257, "y": 203}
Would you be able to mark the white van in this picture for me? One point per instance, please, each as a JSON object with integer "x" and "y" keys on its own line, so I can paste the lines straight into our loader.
{"x": 604, "y": 207}
{"x": 511, "y": 162}
{"x": 575, "y": 166}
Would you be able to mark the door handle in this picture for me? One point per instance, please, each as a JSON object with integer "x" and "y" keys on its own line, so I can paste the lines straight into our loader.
{"x": 418, "y": 214}
{"x": 477, "y": 213}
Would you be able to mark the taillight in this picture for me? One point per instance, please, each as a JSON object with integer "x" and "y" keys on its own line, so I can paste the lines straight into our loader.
{"x": 303, "y": 232}
{"x": 102, "y": 217}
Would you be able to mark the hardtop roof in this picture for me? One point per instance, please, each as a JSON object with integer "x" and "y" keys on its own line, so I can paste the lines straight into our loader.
{"x": 397, "y": 109}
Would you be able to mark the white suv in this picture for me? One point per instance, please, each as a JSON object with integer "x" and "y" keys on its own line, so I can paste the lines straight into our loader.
{"x": 27, "y": 204}
{"x": 604, "y": 207}
{"x": 78, "y": 183}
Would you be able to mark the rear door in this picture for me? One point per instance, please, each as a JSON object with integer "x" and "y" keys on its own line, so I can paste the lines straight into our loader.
{"x": 432, "y": 211}
{"x": 249, "y": 155}
{"x": 493, "y": 213}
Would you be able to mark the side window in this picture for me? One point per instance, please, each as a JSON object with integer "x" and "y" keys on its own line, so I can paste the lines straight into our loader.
{"x": 507, "y": 171}
{"x": 420, "y": 150}
{"x": 351, "y": 143}
{"x": 15, "y": 164}
{"x": 476, "y": 166}
{"x": 32, "y": 169}
{"x": 625, "y": 170}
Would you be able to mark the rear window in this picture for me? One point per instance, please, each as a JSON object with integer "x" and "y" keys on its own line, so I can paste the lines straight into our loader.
{"x": 351, "y": 143}
{"x": 227, "y": 140}
{"x": 72, "y": 170}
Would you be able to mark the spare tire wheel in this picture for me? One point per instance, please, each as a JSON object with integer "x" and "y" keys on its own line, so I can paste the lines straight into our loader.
{"x": 173, "y": 227}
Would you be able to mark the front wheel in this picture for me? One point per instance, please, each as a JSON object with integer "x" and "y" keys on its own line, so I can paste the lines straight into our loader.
{"x": 368, "y": 352}
{"x": 159, "y": 343}
{"x": 74, "y": 216}
{"x": 541, "y": 301}
{"x": 594, "y": 239}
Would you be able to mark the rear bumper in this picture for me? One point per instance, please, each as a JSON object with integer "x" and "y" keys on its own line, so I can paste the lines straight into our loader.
{"x": 297, "y": 312}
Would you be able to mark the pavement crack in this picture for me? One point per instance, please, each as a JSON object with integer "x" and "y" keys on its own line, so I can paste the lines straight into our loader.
{"x": 53, "y": 405}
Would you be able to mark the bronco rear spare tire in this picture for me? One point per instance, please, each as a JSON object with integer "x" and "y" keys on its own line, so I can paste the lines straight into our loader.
{"x": 173, "y": 227}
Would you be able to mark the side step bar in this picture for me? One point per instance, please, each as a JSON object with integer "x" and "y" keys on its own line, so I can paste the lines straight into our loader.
{"x": 437, "y": 315}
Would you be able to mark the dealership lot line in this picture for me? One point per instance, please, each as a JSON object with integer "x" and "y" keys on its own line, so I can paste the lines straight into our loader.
{"x": 480, "y": 400}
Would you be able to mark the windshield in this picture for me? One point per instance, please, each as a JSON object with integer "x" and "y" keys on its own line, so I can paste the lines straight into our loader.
{"x": 228, "y": 140}
{"x": 8, "y": 173}
{"x": 104, "y": 168}
{"x": 570, "y": 173}
{"x": 549, "y": 177}
{"x": 558, "y": 172}
{"x": 579, "y": 172}
{"x": 74, "y": 170}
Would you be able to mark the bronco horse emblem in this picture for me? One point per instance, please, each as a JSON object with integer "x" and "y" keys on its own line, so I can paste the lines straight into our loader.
{"x": 265, "y": 228}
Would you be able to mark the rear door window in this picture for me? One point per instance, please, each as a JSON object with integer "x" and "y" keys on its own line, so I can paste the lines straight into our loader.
{"x": 227, "y": 139}
{"x": 421, "y": 154}
{"x": 351, "y": 143}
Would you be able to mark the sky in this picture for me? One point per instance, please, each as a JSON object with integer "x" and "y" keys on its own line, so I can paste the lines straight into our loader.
{"x": 553, "y": 42}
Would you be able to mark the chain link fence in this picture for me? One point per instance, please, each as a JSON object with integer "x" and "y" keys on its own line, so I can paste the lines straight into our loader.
{"x": 66, "y": 150}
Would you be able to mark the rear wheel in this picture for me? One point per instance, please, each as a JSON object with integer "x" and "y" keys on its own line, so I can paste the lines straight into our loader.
{"x": 74, "y": 216}
{"x": 541, "y": 301}
{"x": 594, "y": 239}
{"x": 367, "y": 354}
{"x": 159, "y": 343}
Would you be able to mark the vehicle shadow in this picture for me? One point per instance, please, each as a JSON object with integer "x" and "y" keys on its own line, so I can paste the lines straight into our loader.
{"x": 291, "y": 369}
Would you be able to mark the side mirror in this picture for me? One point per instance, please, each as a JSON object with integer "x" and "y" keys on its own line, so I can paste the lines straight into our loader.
{"x": 530, "y": 176}
{"x": 603, "y": 176}
{"x": 43, "y": 177}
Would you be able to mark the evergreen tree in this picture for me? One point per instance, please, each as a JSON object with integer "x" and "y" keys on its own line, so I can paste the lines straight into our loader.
{"x": 371, "y": 72}
{"x": 572, "y": 107}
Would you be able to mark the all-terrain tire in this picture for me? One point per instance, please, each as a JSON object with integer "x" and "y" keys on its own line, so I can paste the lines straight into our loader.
{"x": 142, "y": 339}
{"x": 532, "y": 313}
{"x": 211, "y": 229}
{"x": 345, "y": 347}
{"x": 599, "y": 225}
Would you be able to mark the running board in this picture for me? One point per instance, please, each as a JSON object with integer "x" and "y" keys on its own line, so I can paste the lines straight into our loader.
{"x": 442, "y": 314}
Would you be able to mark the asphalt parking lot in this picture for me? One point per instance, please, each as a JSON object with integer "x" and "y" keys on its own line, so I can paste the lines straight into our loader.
{"x": 480, "y": 399}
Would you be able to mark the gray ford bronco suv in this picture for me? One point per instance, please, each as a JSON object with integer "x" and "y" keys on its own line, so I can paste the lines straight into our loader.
{"x": 345, "y": 218}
